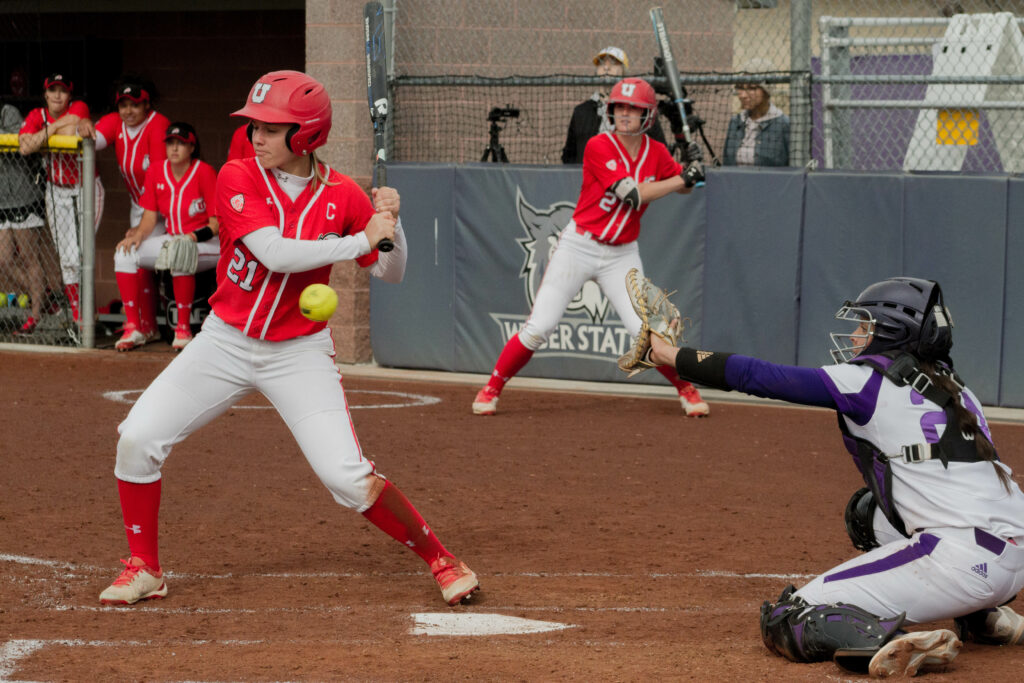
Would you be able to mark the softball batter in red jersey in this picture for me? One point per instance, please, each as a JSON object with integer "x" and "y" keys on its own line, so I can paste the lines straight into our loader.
{"x": 180, "y": 190}
{"x": 622, "y": 173}
{"x": 286, "y": 217}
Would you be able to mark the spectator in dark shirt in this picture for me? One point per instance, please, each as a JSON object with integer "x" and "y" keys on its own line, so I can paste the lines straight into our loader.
{"x": 588, "y": 118}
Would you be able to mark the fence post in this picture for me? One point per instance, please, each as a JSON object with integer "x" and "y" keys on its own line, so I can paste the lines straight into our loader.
{"x": 800, "y": 18}
{"x": 87, "y": 312}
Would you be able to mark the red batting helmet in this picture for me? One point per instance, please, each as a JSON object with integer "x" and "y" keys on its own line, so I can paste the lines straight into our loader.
{"x": 638, "y": 93}
{"x": 291, "y": 97}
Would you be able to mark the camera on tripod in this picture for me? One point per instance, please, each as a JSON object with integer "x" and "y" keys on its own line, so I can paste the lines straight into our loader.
{"x": 494, "y": 151}
{"x": 502, "y": 113}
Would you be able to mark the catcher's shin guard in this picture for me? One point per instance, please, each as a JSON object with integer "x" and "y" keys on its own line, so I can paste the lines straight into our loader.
{"x": 815, "y": 633}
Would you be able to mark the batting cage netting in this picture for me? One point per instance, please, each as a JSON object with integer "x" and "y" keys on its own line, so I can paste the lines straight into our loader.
{"x": 524, "y": 120}
{"x": 873, "y": 85}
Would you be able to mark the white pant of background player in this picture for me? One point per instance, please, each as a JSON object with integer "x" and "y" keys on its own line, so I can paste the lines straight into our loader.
{"x": 219, "y": 368}
{"x": 63, "y": 213}
{"x": 576, "y": 260}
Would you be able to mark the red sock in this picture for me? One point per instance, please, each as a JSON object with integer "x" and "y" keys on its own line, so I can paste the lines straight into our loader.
{"x": 71, "y": 292}
{"x": 184, "y": 293}
{"x": 140, "y": 507}
{"x": 393, "y": 514}
{"x": 128, "y": 286}
{"x": 513, "y": 358}
{"x": 147, "y": 300}
{"x": 671, "y": 375}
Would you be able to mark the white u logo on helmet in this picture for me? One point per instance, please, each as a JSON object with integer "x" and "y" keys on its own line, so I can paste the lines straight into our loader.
{"x": 259, "y": 93}
{"x": 628, "y": 89}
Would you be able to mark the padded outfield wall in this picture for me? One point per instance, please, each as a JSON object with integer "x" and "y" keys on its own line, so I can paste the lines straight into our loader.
{"x": 761, "y": 259}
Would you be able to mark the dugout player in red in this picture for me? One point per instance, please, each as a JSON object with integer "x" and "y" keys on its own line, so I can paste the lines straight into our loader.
{"x": 286, "y": 218}
{"x": 61, "y": 116}
{"x": 180, "y": 189}
{"x": 623, "y": 171}
{"x": 137, "y": 132}
{"x": 241, "y": 145}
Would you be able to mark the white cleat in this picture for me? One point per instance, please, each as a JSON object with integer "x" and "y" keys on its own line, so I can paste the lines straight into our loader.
{"x": 134, "y": 584}
{"x": 486, "y": 402}
{"x": 905, "y": 655}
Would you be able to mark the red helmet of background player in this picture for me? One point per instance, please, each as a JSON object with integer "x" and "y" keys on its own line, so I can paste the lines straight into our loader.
{"x": 638, "y": 93}
{"x": 291, "y": 97}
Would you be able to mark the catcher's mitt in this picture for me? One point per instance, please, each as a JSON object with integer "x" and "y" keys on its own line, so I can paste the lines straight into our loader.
{"x": 658, "y": 316}
{"x": 180, "y": 254}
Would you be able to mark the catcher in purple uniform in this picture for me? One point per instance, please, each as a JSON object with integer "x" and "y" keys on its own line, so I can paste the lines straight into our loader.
{"x": 940, "y": 519}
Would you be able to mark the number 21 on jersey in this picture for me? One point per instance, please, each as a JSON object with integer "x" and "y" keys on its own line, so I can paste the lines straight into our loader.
{"x": 240, "y": 271}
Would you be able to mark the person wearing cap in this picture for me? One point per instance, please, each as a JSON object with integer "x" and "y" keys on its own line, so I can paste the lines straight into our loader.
{"x": 759, "y": 134}
{"x": 181, "y": 190}
{"x": 588, "y": 118}
{"x": 136, "y": 130}
{"x": 62, "y": 116}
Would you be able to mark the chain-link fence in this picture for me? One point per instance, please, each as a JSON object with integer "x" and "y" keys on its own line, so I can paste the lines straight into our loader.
{"x": 45, "y": 256}
{"x": 865, "y": 84}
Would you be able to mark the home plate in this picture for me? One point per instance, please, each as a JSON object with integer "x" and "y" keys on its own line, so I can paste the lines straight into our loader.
{"x": 446, "y": 624}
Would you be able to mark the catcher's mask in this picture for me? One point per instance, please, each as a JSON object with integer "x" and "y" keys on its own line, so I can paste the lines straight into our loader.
{"x": 901, "y": 313}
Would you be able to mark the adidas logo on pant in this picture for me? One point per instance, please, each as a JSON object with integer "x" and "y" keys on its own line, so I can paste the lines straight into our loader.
{"x": 981, "y": 570}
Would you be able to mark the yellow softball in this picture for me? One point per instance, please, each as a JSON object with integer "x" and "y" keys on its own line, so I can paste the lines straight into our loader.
{"x": 317, "y": 302}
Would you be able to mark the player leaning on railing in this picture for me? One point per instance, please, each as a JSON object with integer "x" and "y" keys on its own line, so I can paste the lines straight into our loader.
{"x": 62, "y": 116}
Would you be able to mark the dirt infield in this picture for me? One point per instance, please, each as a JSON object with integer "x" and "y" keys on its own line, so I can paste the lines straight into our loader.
{"x": 653, "y": 538}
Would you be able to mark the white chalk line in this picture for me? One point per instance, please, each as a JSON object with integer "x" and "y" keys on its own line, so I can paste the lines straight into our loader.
{"x": 698, "y": 574}
{"x": 128, "y": 396}
{"x": 13, "y": 651}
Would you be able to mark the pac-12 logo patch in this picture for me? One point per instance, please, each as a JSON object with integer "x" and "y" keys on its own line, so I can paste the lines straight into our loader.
{"x": 611, "y": 164}
{"x": 238, "y": 202}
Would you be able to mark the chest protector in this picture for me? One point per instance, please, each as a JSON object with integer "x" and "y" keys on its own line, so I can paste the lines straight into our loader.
{"x": 876, "y": 467}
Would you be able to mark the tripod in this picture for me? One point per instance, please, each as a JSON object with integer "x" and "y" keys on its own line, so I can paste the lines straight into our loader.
{"x": 494, "y": 150}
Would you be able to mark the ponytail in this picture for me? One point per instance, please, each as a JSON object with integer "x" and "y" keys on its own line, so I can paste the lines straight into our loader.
{"x": 967, "y": 422}
{"x": 319, "y": 172}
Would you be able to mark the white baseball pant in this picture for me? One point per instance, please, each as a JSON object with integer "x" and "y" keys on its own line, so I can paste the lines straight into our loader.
{"x": 218, "y": 369}
{"x": 576, "y": 259}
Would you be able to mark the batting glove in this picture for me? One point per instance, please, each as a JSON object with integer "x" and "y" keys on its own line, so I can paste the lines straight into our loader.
{"x": 693, "y": 174}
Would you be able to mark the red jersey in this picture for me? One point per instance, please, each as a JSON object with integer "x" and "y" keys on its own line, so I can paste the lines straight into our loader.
{"x": 136, "y": 154}
{"x": 241, "y": 147}
{"x": 63, "y": 168}
{"x": 185, "y": 203}
{"x": 261, "y": 303}
{"x": 605, "y": 161}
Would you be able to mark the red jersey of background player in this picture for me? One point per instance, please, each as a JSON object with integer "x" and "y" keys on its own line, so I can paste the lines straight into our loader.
{"x": 261, "y": 303}
{"x": 136, "y": 154}
{"x": 605, "y": 162}
{"x": 185, "y": 203}
{"x": 63, "y": 169}
{"x": 241, "y": 146}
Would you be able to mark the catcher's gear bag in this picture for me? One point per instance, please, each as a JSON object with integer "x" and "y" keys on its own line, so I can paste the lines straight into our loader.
{"x": 657, "y": 315}
{"x": 816, "y": 633}
{"x": 180, "y": 254}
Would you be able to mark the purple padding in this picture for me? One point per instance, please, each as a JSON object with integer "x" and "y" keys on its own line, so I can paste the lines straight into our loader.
{"x": 922, "y": 548}
{"x": 989, "y": 542}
